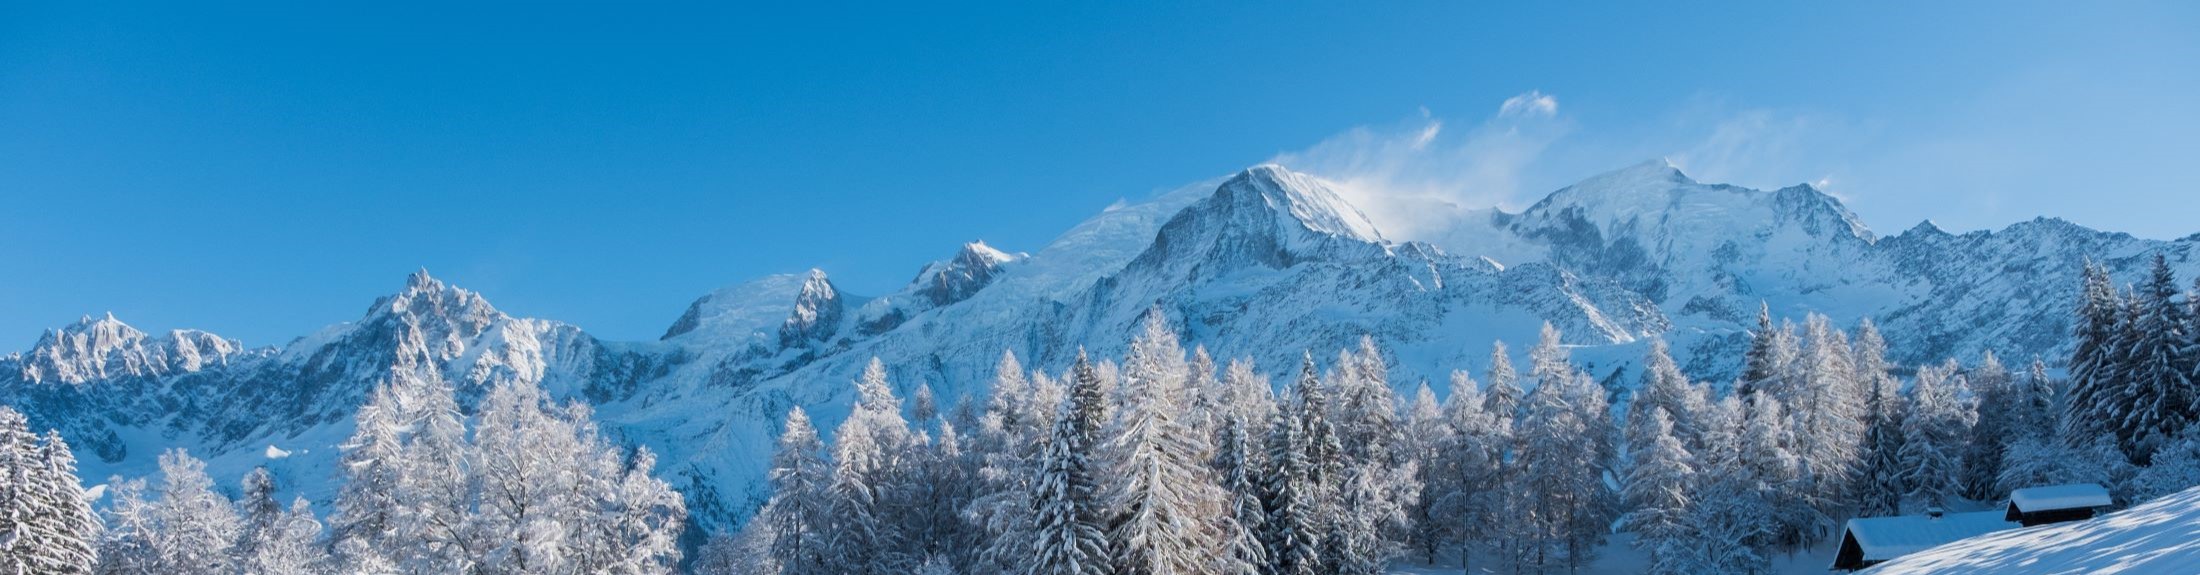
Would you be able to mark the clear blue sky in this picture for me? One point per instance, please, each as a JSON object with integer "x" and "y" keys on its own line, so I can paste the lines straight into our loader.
{"x": 263, "y": 169}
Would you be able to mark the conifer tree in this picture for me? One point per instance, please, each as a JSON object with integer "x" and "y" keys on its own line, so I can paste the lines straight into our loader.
{"x": 2154, "y": 398}
{"x": 1239, "y": 469}
{"x": 1294, "y": 528}
{"x": 1660, "y": 479}
{"x": 796, "y": 520}
{"x": 1502, "y": 399}
{"x": 1938, "y": 420}
{"x": 66, "y": 529}
{"x": 287, "y": 545}
{"x": 2000, "y": 405}
{"x": 1068, "y": 533}
{"x": 1664, "y": 387}
{"x": 197, "y": 526}
{"x": 1880, "y": 486}
{"x": 2094, "y": 360}
{"x": 1171, "y": 519}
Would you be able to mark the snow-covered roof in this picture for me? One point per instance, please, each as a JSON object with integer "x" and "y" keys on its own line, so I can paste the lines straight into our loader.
{"x": 2158, "y": 537}
{"x": 2058, "y": 497}
{"x": 1884, "y": 538}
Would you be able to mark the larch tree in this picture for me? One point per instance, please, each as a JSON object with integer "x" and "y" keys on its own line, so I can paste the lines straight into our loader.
{"x": 1660, "y": 480}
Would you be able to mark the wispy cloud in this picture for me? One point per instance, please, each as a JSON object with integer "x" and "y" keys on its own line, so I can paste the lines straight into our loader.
{"x": 1533, "y": 103}
{"x": 1414, "y": 177}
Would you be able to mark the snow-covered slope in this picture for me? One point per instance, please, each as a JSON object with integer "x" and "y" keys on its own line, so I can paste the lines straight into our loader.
{"x": 1266, "y": 264}
{"x": 2161, "y": 537}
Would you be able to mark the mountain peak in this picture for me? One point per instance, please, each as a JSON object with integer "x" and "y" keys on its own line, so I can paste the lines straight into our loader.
{"x": 953, "y": 280}
{"x": 817, "y": 311}
{"x": 420, "y": 280}
{"x": 98, "y": 348}
{"x": 1309, "y": 201}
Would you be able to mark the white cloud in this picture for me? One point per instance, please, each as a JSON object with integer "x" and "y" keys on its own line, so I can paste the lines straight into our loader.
{"x": 1414, "y": 177}
{"x": 1533, "y": 103}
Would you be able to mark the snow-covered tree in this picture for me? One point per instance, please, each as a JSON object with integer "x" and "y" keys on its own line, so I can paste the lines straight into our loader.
{"x": 1170, "y": 510}
{"x": 1772, "y": 351}
{"x": 289, "y": 544}
{"x": 2176, "y": 467}
{"x": 1429, "y": 436}
{"x": 63, "y": 528}
{"x": 1880, "y": 486}
{"x": 1563, "y": 504}
{"x": 1068, "y": 536}
{"x": 2000, "y": 404}
{"x": 1502, "y": 399}
{"x": 197, "y": 526}
{"x": 364, "y": 523}
{"x": 45, "y": 523}
{"x": 2154, "y": 397}
{"x": 126, "y": 547}
{"x": 1938, "y": 421}
{"x": 1238, "y": 467}
{"x": 796, "y": 522}
{"x": 2094, "y": 359}
{"x": 1659, "y": 481}
{"x": 1295, "y": 529}
{"x": 1768, "y": 451}
{"x": 1469, "y": 494}
{"x": 1664, "y": 387}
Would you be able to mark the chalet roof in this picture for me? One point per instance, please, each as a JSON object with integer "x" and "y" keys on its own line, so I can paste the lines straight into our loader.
{"x": 2060, "y": 497}
{"x": 1883, "y": 538}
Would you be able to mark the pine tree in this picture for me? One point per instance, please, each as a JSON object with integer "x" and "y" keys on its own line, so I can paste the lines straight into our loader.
{"x": 433, "y": 477}
{"x": 1999, "y": 406}
{"x": 1565, "y": 505}
{"x": 2094, "y": 359}
{"x": 1010, "y": 440}
{"x": 259, "y": 511}
{"x": 1171, "y": 519}
{"x": 1292, "y": 499}
{"x": 287, "y": 545}
{"x": 1880, "y": 483}
{"x": 1734, "y": 525}
{"x": 1938, "y": 421}
{"x": 126, "y": 547}
{"x": 20, "y": 477}
{"x": 1664, "y": 387}
{"x": 1239, "y": 470}
{"x": 197, "y": 527}
{"x": 796, "y": 520}
{"x": 1471, "y": 495}
{"x": 1659, "y": 481}
{"x": 1069, "y": 537}
{"x": 1502, "y": 399}
{"x": 1767, "y": 445}
{"x": 1431, "y": 436}
{"x": 2154, "y": 400}
{"x": 1771, "y": 351}
{"x": 1826, "y": 401}
{"x": 364, "y": 521}
{"x": 66, "y": 528}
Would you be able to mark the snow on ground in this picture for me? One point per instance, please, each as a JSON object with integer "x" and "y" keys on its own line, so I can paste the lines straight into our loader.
{"x": 1617, "y": 558}
{"x": 2159, "y": 537}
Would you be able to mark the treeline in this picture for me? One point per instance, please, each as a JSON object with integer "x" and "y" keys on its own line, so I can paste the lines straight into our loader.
{"x": 532, "y": 488}
{"x": 1167, "y": 463}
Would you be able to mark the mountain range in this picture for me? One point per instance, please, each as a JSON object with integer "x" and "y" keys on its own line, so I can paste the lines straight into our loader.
{"x": 1266, "y": 264}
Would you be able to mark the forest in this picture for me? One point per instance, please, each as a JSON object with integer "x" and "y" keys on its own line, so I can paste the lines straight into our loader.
{"x": 1168, "y": 461}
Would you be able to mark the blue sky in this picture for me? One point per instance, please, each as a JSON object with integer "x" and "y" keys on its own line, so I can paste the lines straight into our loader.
{"x": 263, "y": 169}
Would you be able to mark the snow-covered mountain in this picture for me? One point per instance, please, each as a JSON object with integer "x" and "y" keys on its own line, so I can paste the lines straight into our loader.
{"x": 1266, "y": 264}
